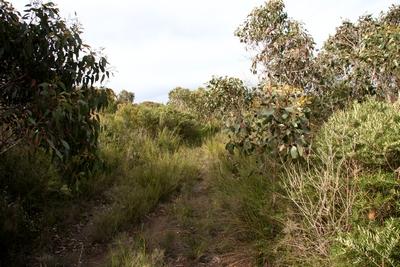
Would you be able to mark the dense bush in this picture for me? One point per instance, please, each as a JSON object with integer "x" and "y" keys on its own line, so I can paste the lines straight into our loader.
{"x": 370, "y": 246}
{"x": 367, "y": 133}
{"x": 345, "y": 200}
{"x": 361, "y": 59}
{"x": 154, "y": 120}
{"x": 276, "y": 123}
{"x": 378, "y": 198}
{"x": 47, "y": 95}
{"x": 374, "y": 239}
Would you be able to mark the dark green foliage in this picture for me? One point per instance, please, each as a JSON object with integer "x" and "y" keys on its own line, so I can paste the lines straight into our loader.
{"x": 46, "y": 87}
{"x": 276, "y": 123}
{"x": 378, "y": 198}
{"x": 29, "y": 186}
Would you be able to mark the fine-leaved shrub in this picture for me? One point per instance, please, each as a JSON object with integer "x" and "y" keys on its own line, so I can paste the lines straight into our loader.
{"x": 368, "y": 133}
{"x": 370, "y": 246}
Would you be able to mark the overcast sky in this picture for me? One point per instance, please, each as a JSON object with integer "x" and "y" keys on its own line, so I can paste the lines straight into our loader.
{"x": 156, "y": 45}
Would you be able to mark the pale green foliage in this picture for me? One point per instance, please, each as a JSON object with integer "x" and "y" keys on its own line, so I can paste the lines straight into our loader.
{"x": 367, "y": 132}
{"x": 284, "y": 50}
{"x": 361, "y": 59}
{"x": 153, "y": 119}
{"x": 191, "y": 101}
{"x": 368, "y": 247}
{"x": 226, "y": 96}
{"x": 181, "y": 98}
{"x": 126, "y": 97}
{"x": 335, "y": 192}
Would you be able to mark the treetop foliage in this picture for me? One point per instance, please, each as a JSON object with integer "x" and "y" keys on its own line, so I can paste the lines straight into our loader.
{"x": 284, "y": 49}
{"x": 126, "y": 97}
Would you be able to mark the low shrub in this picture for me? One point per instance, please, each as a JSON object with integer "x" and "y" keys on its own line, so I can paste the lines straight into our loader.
{"x": 378, "y": 198}
{"x": 154, "y": 119}
{"x": 374, "y": 239}
{"x": 346, "y": 198}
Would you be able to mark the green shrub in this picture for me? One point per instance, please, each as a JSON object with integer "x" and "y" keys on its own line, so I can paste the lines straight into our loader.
{"x": 367, "y": 133}
{"x": 154, "y": 120}
{"x": 276, "y": 123}
{"x": 370, "y": 246}
{"x": 378, "y": 198}
{"x": 346, "y": 199}
{"x": 375, "y": 237}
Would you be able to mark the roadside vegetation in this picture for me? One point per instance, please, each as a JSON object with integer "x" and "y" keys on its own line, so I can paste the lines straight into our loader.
{"x": 300, "y": 170}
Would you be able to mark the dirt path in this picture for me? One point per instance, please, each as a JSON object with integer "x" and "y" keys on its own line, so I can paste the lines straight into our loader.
{"x": 186, "y": 229}
{"x": 183, "y": 229}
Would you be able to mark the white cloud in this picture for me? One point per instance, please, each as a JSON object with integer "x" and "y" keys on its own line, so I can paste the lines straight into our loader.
{"x": 159, "y": 44}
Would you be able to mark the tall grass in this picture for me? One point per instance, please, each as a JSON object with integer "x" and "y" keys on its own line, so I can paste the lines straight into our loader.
{"x": 145, "y": 166}
{"x": 248, "y": 194}
{"x": 139, "y": 188}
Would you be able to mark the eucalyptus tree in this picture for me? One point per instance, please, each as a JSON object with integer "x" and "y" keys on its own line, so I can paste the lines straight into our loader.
{"x": 47, "y": 93}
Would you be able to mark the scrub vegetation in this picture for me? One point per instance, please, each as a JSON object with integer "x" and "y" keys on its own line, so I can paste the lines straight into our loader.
{"x": 300, "y": 170}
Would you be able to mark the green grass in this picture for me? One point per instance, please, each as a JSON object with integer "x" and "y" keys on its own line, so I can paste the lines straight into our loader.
{"x": 138, "y": 189}
{"x": 247, "y": 193}
{"x": 132, "y": 253}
